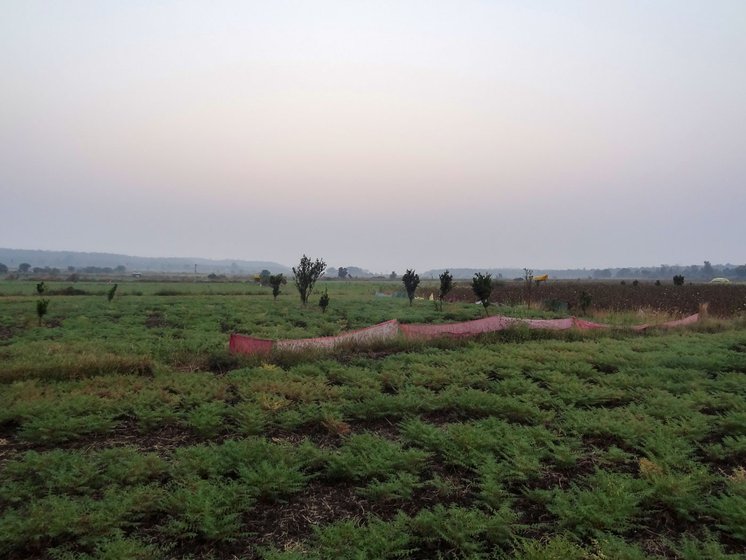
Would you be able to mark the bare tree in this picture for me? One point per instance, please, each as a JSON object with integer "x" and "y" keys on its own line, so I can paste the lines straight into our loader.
{"x": 528, "y": 277}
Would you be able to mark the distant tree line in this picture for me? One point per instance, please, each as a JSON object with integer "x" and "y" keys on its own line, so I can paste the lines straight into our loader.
{"x": 26, "y": 268}
{"x": 706, "y": 272}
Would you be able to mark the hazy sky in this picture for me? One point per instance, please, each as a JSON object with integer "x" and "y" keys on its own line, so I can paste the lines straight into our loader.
{"x": 378, "y": 134}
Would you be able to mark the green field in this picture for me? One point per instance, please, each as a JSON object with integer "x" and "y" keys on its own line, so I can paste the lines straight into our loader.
{"x": 128, "y": 431}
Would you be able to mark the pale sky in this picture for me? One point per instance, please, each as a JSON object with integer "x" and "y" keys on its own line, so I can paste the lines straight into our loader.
{"x": 377, "y": 134}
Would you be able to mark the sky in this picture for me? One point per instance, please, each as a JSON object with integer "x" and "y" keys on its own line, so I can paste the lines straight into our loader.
{"x": 386, "y": 135}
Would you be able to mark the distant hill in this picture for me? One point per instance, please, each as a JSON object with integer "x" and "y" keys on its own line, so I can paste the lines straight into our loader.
{"x": 64, "y": 259}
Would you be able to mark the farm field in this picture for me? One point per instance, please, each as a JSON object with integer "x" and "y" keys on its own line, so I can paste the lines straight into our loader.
{"x": 128, "y": 431}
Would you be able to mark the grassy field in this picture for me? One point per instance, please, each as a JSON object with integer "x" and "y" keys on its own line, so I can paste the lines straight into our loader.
{"x": 128, "y": 431}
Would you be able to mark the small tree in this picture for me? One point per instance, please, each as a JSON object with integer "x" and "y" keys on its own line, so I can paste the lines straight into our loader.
{"x": 41, "y": 288}
{"x": 264, "y": 277}
{"x": 528, "y": 278}
{"x": 707, "y": 270}
{"x": 342, "y": 273}
{"x": 111, "y": 292}
{"x": 41, "y": 308}
{"x": 3, "y": 268}
{"x": 446, "y": 285}
{"x": 324, "y": 301}
{"x": 678, "y": 280}
{"x": 24, "y": 267}
{"x": 277, "y": 280}
{"x": 481, "y": 284}
{"x": 411, "y": 280}
{"x": 306, "y": 275}
{"x": 392, "y": 276}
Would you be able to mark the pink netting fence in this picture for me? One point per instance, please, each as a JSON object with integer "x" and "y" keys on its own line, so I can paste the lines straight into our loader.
{"x": 242, "y": 344}
{"x": 382, "y": 331}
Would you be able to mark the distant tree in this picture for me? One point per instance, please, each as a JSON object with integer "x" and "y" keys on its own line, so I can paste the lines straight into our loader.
{"x": 324, "y": 301}
{"x": 277, "y": 280}
{"x": 306, "y": 275}
{"x": 585, "y": 301}
{"x": 528, "y": 278}
{"x": 3, "y": 269}
{"x": 24, "y": 267}
{"x": 481, "y": 285}
{"x": 40, "y": 288}
{"x": 121, "y": 269}
{"x": 707, "y": 270}
{"x": 446, "y": 285}
{"x": 678, "y": 280}
{"x": 264, "y": 276}
{"x": 41, "y": 308}
{"x": 740, "y": 271}
{"x": 393, "y": 275}
{"x": 411, "y": 280}
{"x": 71, "y": 269}
{"x": 342, "y": 272}
{"x": 111, "y": 292}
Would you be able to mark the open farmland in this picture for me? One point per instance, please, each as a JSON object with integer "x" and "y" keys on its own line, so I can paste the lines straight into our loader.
{"x": 127, "y": 431}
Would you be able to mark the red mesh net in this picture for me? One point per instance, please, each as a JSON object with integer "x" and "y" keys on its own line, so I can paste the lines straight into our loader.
{"x": 382, "y": 331}
{"x": 242, "y": 344}
{"x": 670, "y": 324}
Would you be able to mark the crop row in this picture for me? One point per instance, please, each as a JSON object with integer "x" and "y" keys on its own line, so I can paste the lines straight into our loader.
{"x": 722, "y": 300}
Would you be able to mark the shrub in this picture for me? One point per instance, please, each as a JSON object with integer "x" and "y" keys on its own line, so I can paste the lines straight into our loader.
{"x": 481, "y": 285}
{"x": 678, "y": 280}
{"x": 462, "y": 531}
{"x": 446, "y": 284}
{"x": 277, "y": 280}
{"x": 306, "y": 275}
{"x": 211, "y": 510}
{"x": 611, "y": 502}
{"x": 111, "y": 292}
{"x": 348, "y": 540}
{"x": 411, "y": 280}
{"x": 41, "y": 308}
{"x": 400, "y": 486}
{"x": 324, "y": 301}
{"x": 365, "y": 456}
